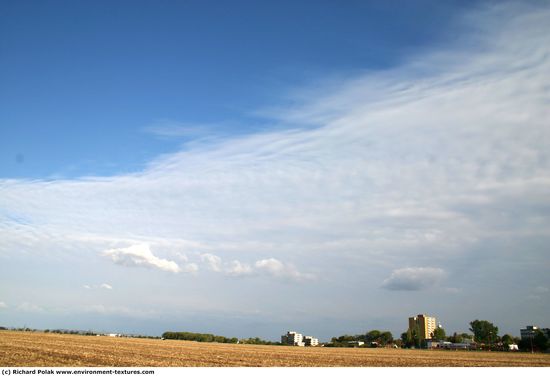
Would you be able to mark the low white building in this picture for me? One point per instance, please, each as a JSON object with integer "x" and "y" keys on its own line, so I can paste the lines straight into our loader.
{"x": 311, "y": 341}
{"x": 297, "y": 339}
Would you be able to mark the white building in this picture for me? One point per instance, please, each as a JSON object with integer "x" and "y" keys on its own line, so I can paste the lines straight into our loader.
{"x": 311, "y": 341}
{"x": 293, "y": 338}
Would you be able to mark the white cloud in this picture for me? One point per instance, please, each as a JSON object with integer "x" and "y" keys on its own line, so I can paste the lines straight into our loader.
{"x": 278, "y": 269}
{"x": 413, "y": 279}
{"x": 214, "y": 262}
{"x": 104, "y": 286}
{"x": 191, "y": 268}
{"x": 182, "y": 256}
{"x": 238, "y": 269}
{"x": 140, "y": 255}
{"x": 270, "y": 267}
{"x": 3, "y": 305}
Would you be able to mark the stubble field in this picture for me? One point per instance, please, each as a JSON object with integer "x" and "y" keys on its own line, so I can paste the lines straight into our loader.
{"x": 41, "y": 349}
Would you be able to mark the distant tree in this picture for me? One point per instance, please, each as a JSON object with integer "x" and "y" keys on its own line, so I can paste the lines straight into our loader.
{"x": 199, "y": 337}
{"x": 382, "y": 338}
{"x": 346, "y": 338}
{"x": 386, "y": 337}
{"x": 507, "y": 339}
{"x": 453, "y": 338}
{"x": 411, "y": 338}
{"x": 373, "y": 335}
{"x": 439, "y": 334}
{"x": 484, "y": 331}
{"x": 540, "y": 341}
{"x": 459, "y": 337}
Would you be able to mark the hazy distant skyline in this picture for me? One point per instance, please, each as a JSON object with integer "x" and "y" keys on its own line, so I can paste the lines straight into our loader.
{"x": 247, "y": 169}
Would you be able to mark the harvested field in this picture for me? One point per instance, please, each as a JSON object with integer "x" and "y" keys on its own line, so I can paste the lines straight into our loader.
{"x": 41, "y": 349}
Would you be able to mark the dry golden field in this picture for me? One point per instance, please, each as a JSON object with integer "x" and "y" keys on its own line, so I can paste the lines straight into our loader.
{"x": 41, "y": 349}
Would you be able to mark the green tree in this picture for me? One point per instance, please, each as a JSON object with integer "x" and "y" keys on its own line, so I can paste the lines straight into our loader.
{"x": 507, "y": 339}
{"x": 484, "y": 331}
{"x": 373, "y": 336}
{"x": 439, "y": 334}
{"x": 452, "y": 338}
{"x": 411, "y": 338}
{"x": 540, "y": 341}
{"x": 385, "y": 338}
{"x": 379, "y": 337}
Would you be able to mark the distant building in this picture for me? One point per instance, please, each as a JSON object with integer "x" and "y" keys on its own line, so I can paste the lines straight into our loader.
{"x": 424, "y": 324}
{"x": 530, "y": 331}
{"x": 297, "y": 339}
{"x": 311, "y": 341}
{"x": 356, "y": 343}
{"x": 435, "y": 344}
{"x": 293, "y": 338}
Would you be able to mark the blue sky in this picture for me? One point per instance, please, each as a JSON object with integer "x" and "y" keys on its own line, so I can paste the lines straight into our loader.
{"x": 247, "y": 169}
{"x": 79, "y": 77}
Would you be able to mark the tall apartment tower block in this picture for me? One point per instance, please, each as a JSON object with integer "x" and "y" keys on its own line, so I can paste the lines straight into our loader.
{"x": 424, "y": 324}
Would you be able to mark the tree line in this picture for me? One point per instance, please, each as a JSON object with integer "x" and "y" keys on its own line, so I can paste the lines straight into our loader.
{"x": 198, "y": 337}
{"x": 207, "y": 337}
{"x": 373, "y": 338}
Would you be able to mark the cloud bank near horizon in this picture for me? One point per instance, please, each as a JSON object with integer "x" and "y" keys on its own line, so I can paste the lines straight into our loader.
{"x": 404, "y": 172}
